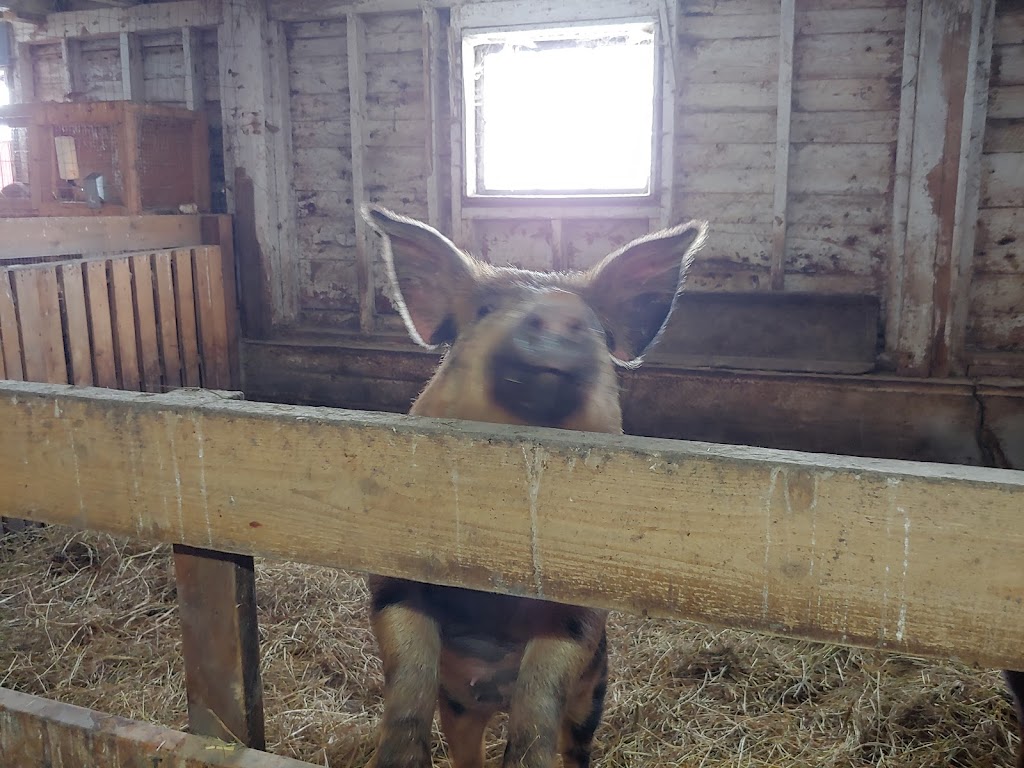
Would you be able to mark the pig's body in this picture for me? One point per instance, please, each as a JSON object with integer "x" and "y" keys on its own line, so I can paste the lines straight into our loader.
{"x": 527, "y": 348}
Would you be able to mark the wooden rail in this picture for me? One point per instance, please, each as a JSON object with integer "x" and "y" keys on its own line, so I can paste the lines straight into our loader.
{"x": 37, "y": 732}
{"x": 912, "y": 557}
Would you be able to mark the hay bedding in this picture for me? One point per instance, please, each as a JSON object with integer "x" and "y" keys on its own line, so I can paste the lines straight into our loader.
{"x": 91, "y": 620}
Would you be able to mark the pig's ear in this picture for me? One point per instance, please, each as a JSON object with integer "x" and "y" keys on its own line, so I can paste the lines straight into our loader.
{"x": 633, "y": 291}
{"x": 427, "y": 273}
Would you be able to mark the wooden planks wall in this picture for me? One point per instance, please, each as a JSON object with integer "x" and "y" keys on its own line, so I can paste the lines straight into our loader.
{"x": 995, "y": 321}
{"x": 818, "y": 212}
{"x": 150, "y": 321}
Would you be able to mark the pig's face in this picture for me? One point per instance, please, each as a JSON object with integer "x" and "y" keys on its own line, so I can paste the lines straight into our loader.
{"x": 531, "y": 347}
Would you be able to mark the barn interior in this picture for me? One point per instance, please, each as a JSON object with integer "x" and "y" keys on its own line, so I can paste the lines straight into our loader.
{"x": 861, "y": 294}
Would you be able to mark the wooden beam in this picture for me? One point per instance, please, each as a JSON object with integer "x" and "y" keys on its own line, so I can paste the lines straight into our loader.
{"x": 24, "y": 75}
{"x": 954, "y": 302}
{"x": 36, "y": 732}
{"x": 156, "y": 17}
{"x": 195, "y": 87}
{"x": 904, "y": 556}
{"x": 32, "y": 238}
{"x": 72, "y": 72}
{"x": 935, "y": 267}
{"x": 220, "y": 644}
{"x": 665, "y": 93}
{"x": 435, "y": 46}
{"x": 133, "y": 81}
{"x": 787, "y": 28}
{"x": 257, "y": 144}
{"x": 356, "y": 43}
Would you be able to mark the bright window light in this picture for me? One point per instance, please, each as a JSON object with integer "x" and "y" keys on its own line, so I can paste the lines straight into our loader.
{"x": 560, "y": 111}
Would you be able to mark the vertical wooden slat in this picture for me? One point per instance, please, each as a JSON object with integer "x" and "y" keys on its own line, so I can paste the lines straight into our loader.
{"x": 901, "y": 180}
{"x": 132, "y": 76}
{"x": 145, "y": 321}
{"x": 104, "y": 360}
{"x": 195, "y": 89}
{"x": 132, "y": 192}
{"x": 38, "y": 306}
{"x": 356, "y": 30}
{"x": 943, "y": 141}
{"x": 433, "y": 72}
{"x": 24, "y": 75}
{"x": 76, "y": 326}
{"x": 184, "y": 297}
{"x": 787, "y": 28}
{"x": 217, "y": 230}
{"x": 951, "y": 340}
{"x": 123, "y": 312}
{"x": 72, "y": 72}
{"x": 220, "y": 644}
{"x": 666, "y": 114}
{"x": 167, "y": 319}
{"x": 209, "y": 293}
{"x": 10, "y": 334}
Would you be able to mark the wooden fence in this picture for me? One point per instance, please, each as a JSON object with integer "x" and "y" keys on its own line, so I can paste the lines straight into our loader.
{"x": 904, "y": 556}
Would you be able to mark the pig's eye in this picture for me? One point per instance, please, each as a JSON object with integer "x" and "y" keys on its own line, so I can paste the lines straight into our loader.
{"x": 483, "y": 311}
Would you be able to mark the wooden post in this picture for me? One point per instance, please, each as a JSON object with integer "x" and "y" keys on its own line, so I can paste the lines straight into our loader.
{"x": 132, "y": 77}
{"x": 217, "y": 231}
{"x": 941, "y": 188}
{"x": 24, "y": 75}
{"x": 195, "y": 87}
{"x": 357, "y": 101}
{"x": 72, "y": 82}
{"x": 787, "y": 29}
{"x": 220, "y": 644}
{"x": 257, "y": 145}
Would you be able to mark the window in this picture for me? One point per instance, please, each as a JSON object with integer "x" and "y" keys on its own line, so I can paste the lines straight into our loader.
{"x": 560, "y": 112}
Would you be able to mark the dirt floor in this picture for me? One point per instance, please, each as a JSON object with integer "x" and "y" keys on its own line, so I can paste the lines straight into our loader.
{"x": 91, "y": 620}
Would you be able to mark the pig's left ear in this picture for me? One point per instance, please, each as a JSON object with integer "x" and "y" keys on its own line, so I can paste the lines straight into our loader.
{"x": 427, "y": 272}
{"x": 633, "y": 291}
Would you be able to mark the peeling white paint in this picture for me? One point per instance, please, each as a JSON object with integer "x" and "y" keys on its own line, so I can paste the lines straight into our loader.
{"x": 200, "y": 440}
{"x": 534, "y": 469}
{"x": 901, "y": 620}
{"x": 774, "y": 477}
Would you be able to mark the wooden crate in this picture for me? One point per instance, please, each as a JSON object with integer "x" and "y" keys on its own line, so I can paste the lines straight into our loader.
{"x": 153, "y": 159}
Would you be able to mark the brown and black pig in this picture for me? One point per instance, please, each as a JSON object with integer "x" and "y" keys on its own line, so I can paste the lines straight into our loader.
{"x": 525, "y": 348}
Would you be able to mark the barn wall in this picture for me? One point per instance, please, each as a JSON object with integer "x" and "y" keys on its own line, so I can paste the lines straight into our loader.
{"x": 803, "y": 157}
{"x": 996, "y": 321}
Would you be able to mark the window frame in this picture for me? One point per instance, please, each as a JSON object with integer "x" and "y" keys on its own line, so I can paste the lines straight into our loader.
{"x": 472, "y": 127}
{"x": 514, "y": 15}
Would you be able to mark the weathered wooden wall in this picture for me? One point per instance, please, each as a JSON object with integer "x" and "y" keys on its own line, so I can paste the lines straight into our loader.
{"x": 867, "y": 147}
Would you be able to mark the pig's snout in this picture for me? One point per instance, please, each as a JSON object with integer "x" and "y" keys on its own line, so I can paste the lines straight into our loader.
{"x": 551, "y": 356}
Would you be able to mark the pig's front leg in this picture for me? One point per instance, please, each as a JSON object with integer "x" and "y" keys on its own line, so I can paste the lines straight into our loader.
{"x": 410, "y": 647}
{"x": 550, "y": 669}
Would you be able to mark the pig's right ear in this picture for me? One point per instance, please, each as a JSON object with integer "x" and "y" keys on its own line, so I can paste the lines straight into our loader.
{"x": 427, "y": 271}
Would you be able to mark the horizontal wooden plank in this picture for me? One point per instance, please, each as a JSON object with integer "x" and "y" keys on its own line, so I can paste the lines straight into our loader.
{"x": 1009, "y": 27}
{"x": 860, "y": 55}
{"x": 1004, "y": 135}
{"x": 30, "y": 238}
{"x": 841, "y": 168}
{"x": 139, "y": 18}
{"x": 999, "y": 243}
{"x": 850, "y": 20}
{"x": 724, "y": 127}
{"x": 1006, "y": 101}
{"x": 846, "y": 94}
{"x": 1001, "y": 175}
{"x": 727, "y": 97}
{"x": 743, "y": 60}
{"x": 876, "y": 553}
{"x": 1008, "y": 64}
{"x": 847, "y": 127}
{"x": 717, "y": 26}
{"x": 35, "y": 731}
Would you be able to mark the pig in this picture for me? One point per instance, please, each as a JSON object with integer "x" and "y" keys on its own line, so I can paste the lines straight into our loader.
{"x": 527, "y": 348}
